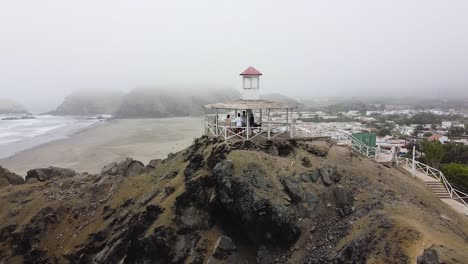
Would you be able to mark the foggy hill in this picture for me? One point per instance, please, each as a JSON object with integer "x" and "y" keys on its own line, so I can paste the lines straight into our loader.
{"x": 298, "y": 201}
{"x": 171, "y": 102}
{"x": 153, "y": 102}
{"x": 281, "y": 98}
{"x": 11, "y": 107}
{"x": 89, "y": 103}
{"x": 157, "y": 103}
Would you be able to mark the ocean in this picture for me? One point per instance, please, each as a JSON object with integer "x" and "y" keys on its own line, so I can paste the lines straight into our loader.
{"x": 21, "y": 134}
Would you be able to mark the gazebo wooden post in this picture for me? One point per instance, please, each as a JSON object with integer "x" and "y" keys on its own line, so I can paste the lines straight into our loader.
{"x": 247, "y": 118}
{"x": 216, "y": 123}
{"x": 268, "y": 129}
{"x": 291, "y": 132}
{"x": 261, "y": 122}
{"x": 261, "y": 117}
{"x": 225, "y": 131}
{"x": 204, "y": 121}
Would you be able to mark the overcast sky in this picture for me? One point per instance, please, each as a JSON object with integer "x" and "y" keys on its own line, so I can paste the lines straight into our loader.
{"x": 304, "y": 48}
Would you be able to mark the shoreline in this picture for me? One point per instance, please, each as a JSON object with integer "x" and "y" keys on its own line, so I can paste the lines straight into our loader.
{"x": 91, "y": 148}
{"x": 65, "y": 129}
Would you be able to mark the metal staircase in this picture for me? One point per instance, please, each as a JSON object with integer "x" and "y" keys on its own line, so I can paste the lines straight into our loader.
{"x": 436, "y": 182}
{"x": 438, "y": 189}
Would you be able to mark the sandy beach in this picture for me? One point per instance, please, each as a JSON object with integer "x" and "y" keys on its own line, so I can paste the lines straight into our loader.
{"x": 113, "y": 140}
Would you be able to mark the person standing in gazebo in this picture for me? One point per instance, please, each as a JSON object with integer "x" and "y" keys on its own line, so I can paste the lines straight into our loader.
{"x": 251, "y": 123}
{"x": 239, "y": 123}
{"x": 227, "y": 124}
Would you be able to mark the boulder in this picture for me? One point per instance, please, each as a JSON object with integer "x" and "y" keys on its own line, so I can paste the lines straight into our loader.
{"x": 223, "y": 247}
{"x": 356, "y": 251}
{"x": 285, "y": 148}
{"x": 152, "y": 165}
{"x": 306, "y": 201}
{"x": 327, "y": 173}
{"x": 310, "y": 176}
{"x": 129, "y": 167}
{"x": 429, "y": 256}
{"x": 183, "y": 245}
{"x": 45, "y": 174}
{"x": 305, "y": 161}
{"x": 293, "y": 188}
{"x": 344, "y": 200}
{"x": 7, "y": 177}
{"x": 170, "y": 175}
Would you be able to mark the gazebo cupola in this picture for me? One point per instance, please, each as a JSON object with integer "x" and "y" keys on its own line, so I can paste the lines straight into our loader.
{"x": 245, "y": 119}
{"x": 251, "y": 84}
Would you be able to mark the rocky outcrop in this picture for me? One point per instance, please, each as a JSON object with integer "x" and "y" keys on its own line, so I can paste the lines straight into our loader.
{"x": 310, "y": 176}
{"x": 7, "y": 177}
{"x": 152, "y": 165}
{"x": 263, "y": 219}
{"x": 357, "y": 250}
{"x": 46, "y": 174}
{"x": 344, "y": 201}
{"x": 305, "y": 201}
{"x": 429, "y": 256}
{"x": 223, "y": 248}
{"x": 128, "y": 168}
{"x": 26, "y": 241}
{"x": 329, "y": 175}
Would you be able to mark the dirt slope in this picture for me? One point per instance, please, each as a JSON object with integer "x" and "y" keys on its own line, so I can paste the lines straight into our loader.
{"x": 270, "y": 202}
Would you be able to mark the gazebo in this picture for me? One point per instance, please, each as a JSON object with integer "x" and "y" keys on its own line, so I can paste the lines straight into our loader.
{"x": 270, "y": 119}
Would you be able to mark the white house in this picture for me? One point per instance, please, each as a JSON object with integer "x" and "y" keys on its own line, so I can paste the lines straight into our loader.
{"x": 446, "y": 124}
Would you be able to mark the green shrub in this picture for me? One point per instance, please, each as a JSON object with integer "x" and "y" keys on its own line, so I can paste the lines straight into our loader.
{"x": 457, "y": 175}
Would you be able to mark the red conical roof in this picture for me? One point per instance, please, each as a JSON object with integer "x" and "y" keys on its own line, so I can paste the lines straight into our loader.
{"x": 251, "y": 71}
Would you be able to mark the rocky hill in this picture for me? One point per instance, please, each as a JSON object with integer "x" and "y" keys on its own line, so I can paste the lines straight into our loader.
{"x": 171, "y": 102}
{"x": 283, "y": 99}
{"x": 89, "y": 103}
{"x": 11, "y": 107}
{"x": 298, "y": 201}
{"x": 153, "y": 102}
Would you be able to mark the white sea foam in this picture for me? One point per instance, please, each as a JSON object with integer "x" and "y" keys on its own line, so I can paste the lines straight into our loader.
{"x": 18, "y": 135}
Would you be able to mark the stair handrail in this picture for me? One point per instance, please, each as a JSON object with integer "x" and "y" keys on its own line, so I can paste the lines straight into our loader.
{"x": 455, "y": 194}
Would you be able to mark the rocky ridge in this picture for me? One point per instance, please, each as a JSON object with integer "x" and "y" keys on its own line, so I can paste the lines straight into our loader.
{"x": 285, "y": 201}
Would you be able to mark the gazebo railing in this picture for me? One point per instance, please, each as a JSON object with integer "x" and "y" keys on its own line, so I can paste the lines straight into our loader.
{"x": 265, "y": 131}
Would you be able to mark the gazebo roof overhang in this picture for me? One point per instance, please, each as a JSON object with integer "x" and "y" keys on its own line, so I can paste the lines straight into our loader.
{"x": 249, "y": 104}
